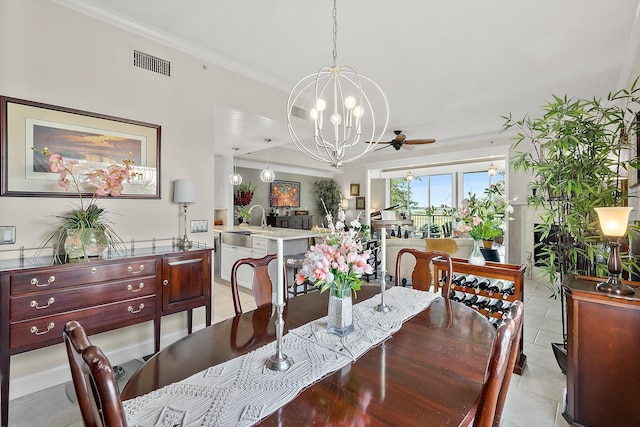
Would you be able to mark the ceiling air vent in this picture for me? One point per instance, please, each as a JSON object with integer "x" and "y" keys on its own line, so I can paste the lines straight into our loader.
{"x": 151, "y": 63}
{"x": 300, "y": 113}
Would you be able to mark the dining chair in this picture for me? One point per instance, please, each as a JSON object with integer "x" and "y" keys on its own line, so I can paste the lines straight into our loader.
{"x": 498, "y": 376}
{"x": 261, "y": 286}
{"x": 93, "y": 379}
{"x": 421, "y": 276}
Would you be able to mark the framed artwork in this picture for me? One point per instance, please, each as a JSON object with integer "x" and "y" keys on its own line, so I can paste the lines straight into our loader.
{"x": 360, "y": 203}
{"x": 354, "y": 190}
{"x": 89, "y": 141}
{"x": 285, "y": 194}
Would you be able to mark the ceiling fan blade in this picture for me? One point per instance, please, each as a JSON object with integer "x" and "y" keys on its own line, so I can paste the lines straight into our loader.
{"x": 420, "y": 141}
{"x": 382, "y": 148}
{"x": 408, "y": 147}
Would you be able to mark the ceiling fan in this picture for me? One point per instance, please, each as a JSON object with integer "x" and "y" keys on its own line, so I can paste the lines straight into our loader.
{"x": 401, "y": 140}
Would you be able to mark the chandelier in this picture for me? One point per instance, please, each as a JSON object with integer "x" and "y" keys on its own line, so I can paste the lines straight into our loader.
{"x": 340, "y": 113}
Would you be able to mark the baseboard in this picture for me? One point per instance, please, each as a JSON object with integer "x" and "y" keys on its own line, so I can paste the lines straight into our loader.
{"x": 41, "y": 380}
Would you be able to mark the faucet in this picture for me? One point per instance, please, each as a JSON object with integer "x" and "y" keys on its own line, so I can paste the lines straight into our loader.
{"x": 263, "y": 222}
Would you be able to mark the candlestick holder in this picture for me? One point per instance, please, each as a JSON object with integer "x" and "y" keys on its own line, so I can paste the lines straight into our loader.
{"x": 382, "y": 307}
{"x": 279, "y": 361}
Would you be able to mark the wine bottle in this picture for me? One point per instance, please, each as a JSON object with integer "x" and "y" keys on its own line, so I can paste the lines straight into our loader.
{"x": 471, "y": 282}
{"x": 494, "y": 305}
{"x": 470, "y": 299}
{"x": 459, "y": 280}
{"x": 495, "y": 286}
{"x": 508, "y": 288}
{"x": 483, "y": 284}
{"x": 505, "y": 308}
{"x": 457, "y": 296}
{"x": 482, "y": 302}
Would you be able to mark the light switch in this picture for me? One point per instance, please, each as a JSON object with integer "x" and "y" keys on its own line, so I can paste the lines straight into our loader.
{"x": 7, "y": 235}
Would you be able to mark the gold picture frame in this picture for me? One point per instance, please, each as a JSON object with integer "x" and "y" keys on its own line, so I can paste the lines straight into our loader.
{"x": 354, "y": 190}
{"x": 360, "y": 203}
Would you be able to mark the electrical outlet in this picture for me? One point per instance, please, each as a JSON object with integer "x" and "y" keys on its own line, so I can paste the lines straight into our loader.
{"x": 7, "y": 235}
{"x": 199, "y": 225}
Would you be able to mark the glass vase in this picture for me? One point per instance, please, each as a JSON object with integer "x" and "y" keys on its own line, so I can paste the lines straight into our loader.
{"x": 84, "y": 243}
{"x": 476, "y": 257}
{"x": 340, "y": 313}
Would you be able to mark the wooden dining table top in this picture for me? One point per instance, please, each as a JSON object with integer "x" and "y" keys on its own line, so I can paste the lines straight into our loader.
{"x": 429, "y": 373}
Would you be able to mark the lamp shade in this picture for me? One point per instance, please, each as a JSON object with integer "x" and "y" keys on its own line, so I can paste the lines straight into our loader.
{"x": 184, "y": 191}
{"x": 613, "y": 220}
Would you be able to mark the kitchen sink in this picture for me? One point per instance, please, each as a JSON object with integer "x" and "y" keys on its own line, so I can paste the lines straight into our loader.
{"x": 238, "y": 238}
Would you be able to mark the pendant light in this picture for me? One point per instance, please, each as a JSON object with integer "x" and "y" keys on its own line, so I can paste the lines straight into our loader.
{"x": 328, "y": 112}
{"x": 267, "y": 175}
{"x": 235, "y": 178}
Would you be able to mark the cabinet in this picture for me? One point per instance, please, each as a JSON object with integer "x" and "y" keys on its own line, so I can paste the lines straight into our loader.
{"x": 492, "y": 272}
{"x": 230, "y": 254}
{"x": 301, "y": 222}
{"x": 603, "y": 346}
{"x": 186, "y": 283}
{"x": 106, "y": 294}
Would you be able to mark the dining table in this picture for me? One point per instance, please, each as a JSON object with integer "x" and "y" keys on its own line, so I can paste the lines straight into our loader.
{"x": 429, "y": 372}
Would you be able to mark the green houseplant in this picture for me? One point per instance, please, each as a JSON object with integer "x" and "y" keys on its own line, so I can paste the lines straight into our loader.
{"x": 575, "y": 154}
{"x": 85, "y": 230}
{"x": 328, "y": 196}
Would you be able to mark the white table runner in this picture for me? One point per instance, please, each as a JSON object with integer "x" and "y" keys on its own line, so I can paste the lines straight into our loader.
{"x": 242, "y": 391}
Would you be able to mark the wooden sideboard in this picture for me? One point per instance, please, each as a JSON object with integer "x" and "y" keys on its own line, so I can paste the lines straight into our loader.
{"x": 301, "y": 222}
{"x": 37, "y": 301}
{"x": 603, "y": 346}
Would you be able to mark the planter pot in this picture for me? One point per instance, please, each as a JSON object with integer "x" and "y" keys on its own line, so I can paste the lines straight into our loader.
{"x": 340, "y": 313}
{"x": 476, "y": 257}
{"x": 488, "y": 244}
{"x": 85, "y": 243}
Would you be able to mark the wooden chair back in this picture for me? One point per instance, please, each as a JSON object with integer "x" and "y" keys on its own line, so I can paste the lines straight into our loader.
{"x": 261, "y": 286}
{"x": 421, "y": 276}
{"x": 501, "y": 363}
{"x": 93, "y": 379}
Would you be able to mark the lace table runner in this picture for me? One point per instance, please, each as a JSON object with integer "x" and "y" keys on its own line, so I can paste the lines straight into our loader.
{"x": 242, "y": 391}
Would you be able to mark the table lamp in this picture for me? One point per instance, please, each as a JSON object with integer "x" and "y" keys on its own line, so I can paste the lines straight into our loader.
{"x": 184, "y": 192}
{"x": 613, "y": 222}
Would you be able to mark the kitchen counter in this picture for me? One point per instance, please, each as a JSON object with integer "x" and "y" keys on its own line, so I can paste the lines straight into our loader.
{"x": 270, "y": 233}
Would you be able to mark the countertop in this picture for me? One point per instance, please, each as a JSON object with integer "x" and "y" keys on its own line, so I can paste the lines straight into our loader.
{"x": 270, "y": 233}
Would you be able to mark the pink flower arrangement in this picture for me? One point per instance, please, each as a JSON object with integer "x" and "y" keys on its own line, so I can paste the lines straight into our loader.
{"x": 105, "y": 182}
{"x": 339, "y": 261}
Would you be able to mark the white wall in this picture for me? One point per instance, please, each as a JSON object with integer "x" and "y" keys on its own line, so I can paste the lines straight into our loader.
{"x": 54, "y": 55}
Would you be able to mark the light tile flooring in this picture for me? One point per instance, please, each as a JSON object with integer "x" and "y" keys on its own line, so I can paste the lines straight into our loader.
{"x": 534, "y": 398}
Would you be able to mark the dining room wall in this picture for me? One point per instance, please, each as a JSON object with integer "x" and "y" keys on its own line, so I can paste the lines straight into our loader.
{"x": 51, "y": 54}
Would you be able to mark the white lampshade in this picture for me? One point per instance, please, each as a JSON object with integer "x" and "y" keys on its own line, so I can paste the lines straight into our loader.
{"x": 184, "y": 191}
{"x": 614, "y": 220}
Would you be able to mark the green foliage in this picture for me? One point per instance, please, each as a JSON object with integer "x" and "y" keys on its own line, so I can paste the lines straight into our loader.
{"x": 329, "y": 195}
{"x": 575, "y": 160}
{"x": 400, "y": 193}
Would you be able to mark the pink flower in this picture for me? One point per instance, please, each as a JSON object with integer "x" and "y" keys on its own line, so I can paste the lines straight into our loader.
{"x": 477, "y": 220}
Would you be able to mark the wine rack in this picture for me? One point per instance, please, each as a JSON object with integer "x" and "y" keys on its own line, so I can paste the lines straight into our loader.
{"x": 494, "y": 274}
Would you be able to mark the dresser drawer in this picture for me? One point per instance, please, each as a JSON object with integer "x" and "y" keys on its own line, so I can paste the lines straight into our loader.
{"x": 76, "y": 274}
{"x": 47, "y": 330}
{"x": 46, "y": 302}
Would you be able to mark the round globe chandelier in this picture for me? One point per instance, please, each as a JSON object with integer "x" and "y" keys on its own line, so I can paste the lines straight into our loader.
{"x": 329, "y": 112}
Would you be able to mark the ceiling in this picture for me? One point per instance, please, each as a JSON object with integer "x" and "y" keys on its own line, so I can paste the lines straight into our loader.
{"x": 450, "y": 70}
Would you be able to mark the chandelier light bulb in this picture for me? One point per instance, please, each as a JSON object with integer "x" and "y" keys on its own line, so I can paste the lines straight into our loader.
{"x": 321, "y": 105}
{"x": 349, "y": 102}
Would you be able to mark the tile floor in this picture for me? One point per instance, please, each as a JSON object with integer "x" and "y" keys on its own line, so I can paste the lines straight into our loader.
{"x": 534, "y": 398}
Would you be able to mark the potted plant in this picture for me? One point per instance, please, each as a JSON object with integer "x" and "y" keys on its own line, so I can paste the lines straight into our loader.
{"x": 243, "y": 215}
{"x": 574, "y": 152}
{"x": 328, "y": 196}
{"x": 85, "y": 230}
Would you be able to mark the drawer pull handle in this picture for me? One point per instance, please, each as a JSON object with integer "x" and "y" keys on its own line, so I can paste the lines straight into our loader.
{"x": 94, "y": 270}
{"x": 131, "y": 288}
{"x": 131, "y": 310}
{"x": 165, "y": 282}
{"x": 50, "y": 326}
{"x": 130, "y": 269}
{"x": 35, "y": 305}
{"x": 36, "y": 282}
